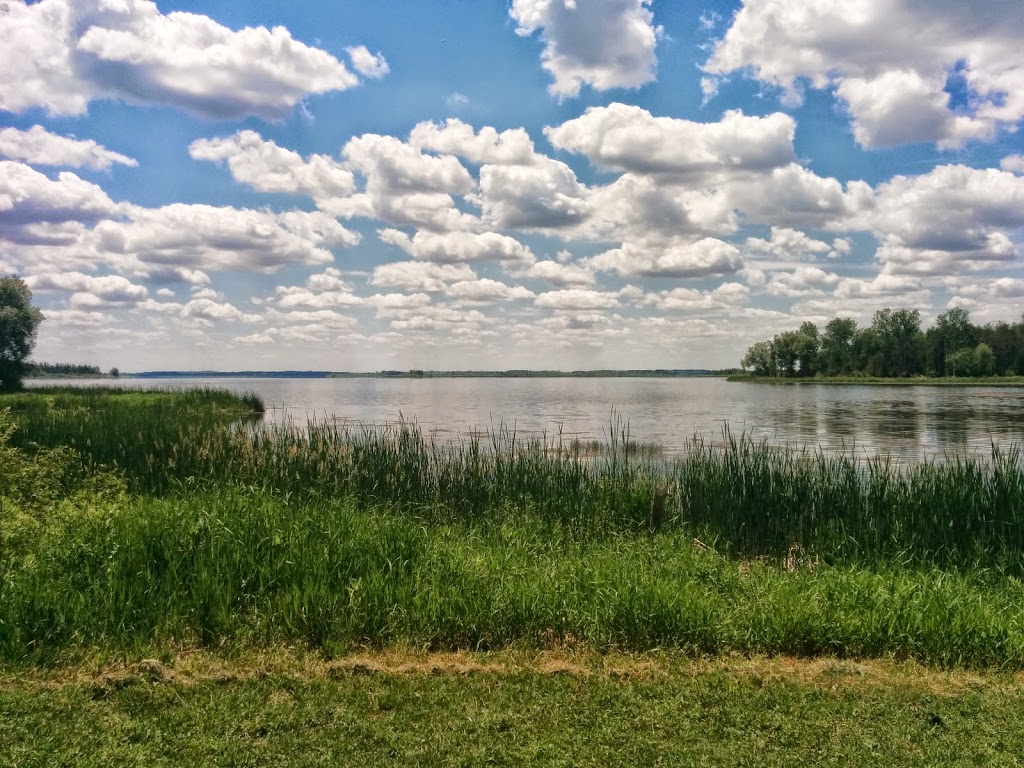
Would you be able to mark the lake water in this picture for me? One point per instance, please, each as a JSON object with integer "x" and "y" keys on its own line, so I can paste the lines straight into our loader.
{"x": 905, "y": 422}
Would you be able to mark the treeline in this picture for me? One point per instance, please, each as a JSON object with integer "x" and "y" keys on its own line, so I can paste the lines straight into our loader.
{"x": 64, "y": 369}
{"x": 894, "y": 345}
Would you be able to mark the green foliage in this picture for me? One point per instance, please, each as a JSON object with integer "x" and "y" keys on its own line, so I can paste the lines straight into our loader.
{"x": 330, "y": 537}
{"x": 19, "y": 321}
{"x": 248, "y": 568}
{"x": 62, "y": 369}
{"x": 752, "y": 498}
{"x": 893, "y": 347}
{"x": 760, "y": 358}
{"x": 837, "y": 346}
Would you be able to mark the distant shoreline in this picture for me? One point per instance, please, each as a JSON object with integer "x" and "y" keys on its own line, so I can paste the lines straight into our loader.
{"x": 48, "y": 376}
{"x": 922, "y": 381}
{"x": 423, "y": 374}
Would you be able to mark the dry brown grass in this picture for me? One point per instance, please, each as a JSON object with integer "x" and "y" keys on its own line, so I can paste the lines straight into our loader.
{"x": 188, "y": 667}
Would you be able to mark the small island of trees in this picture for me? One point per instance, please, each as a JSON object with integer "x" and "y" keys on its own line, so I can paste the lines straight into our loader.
{"x": 893, "y": 346}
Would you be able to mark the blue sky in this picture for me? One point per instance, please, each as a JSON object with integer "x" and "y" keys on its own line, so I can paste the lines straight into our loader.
{"x": 528, "y": 183}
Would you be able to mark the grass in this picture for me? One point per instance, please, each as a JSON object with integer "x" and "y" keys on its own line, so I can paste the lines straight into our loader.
{"x": 547, "y": 710}
{"x": 275, "y": 575}
{"x": 245, "y": 568}
{"x": 747, "y": 499}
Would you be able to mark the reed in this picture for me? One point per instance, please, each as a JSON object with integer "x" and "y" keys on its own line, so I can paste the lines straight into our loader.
{"x": 134, "y": 524}
{"x": 750, "y": 498}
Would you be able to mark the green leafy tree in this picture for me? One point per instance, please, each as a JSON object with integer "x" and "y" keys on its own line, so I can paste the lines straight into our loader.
{"x": 963, "y": 362}
{"x": 760, "y": 358}
{"x": 900, "y": 342}
{"x": 984, "y": 360}
{"x": 787, "y": 354}
{"x": 836, "y": 357}
{"x": 19, "y": 321}
{"x": 866, "y": 355}
{"x": 953, "y": 331}
{"x": 808, "y": 348}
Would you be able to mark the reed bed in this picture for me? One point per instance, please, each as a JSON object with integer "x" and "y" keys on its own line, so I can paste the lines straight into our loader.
{"x": 745, "y": 498}
{"x": 147, "y": 522}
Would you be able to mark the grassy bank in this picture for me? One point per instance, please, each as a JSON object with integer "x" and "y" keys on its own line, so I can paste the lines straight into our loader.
{"x": 179, "y": 586}
{"x": 745, "y": 499}
{"x": 911, "y": 381}
{"x": 243, "y": 568}
{"x": 159, "y": 519}
{"x": 507, "y": 709}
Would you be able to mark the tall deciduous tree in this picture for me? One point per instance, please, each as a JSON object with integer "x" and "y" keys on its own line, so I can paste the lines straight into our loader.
{"x": 19, "y": 321}
{"x": 837, "y": 346}
{"x": 952, "y": 333}
{"x": 901, "y": 342}
{"x": 761, "y": 359}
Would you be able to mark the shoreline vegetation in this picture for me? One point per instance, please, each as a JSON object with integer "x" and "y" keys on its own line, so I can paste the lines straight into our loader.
{"x": 67, "y": 371}
{"x": 893, "y": 347}
{"x": 169, "y": 566}
{"x": 137, "y": 519}
{"x": 912, "y": 381}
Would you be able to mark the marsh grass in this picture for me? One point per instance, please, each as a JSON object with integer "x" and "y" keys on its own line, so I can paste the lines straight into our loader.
{"x": 750, "y": 499}
{"x": 135, "y": 524}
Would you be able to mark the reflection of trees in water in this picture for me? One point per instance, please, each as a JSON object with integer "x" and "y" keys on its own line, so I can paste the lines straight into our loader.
{"x": 840, "y": 421}
{"x": 894, "y": 426}
{"x": 955, "y": 424}
{"x": 974, "y": 424}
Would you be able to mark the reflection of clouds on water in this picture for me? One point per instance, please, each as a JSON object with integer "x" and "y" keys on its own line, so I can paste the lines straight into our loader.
{"x": 906, "y": 422}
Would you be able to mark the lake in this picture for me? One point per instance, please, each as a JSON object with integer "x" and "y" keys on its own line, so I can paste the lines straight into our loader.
{"x": 906, "y": 422}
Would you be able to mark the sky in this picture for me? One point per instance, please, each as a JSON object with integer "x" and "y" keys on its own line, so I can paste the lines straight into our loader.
{"x": 364, "y": 185}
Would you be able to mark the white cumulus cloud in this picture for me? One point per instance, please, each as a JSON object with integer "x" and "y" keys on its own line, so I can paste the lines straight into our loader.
{"x": 40, "y": 147}
{"x": 368, "y": 64}
{"x": 456, "y": 247}
{"x": 266, "y": 167}
{"x": 602, "y": 43}
{"x": 628, "y": 138}
{"x": 703, "y": 258}
{"x": 893, "y": 63}
{"x": 61, "y": 54}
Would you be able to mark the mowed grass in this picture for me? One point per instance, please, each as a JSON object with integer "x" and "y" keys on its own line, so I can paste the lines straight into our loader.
{"x": 473, "y": 709}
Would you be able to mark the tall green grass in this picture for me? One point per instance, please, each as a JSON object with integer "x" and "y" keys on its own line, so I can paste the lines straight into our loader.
{"x": 251, "y": 568}
{"x": 134, "y": 524}
{"x": 746, "y": 498}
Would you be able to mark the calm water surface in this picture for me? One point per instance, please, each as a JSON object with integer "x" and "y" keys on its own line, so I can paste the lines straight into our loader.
{"x": 906, "y": 422}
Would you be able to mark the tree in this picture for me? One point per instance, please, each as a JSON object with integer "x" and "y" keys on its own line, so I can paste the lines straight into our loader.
{"x": 836, "y": 356}
{"x": 19, "y": 321}
{"x": 808, "y": 346}
{"x": 963, "y": 362}
{"x": 115, "y": 372}
{"x": 900, "y": 340}
{"x": 984, "y": 360}
{"x": 760, "y": 358}
{"x": 953, "y": 332}
{"x": 785, "y": 346}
